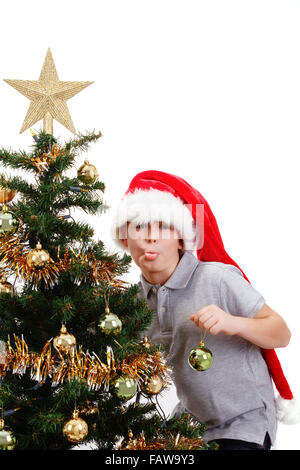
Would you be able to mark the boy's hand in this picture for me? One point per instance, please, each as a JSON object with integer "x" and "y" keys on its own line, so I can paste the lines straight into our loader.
{"x": 215, "y": 320}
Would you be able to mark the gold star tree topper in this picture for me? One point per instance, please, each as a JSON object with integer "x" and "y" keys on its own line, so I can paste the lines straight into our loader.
{"x": 48, "y": 96}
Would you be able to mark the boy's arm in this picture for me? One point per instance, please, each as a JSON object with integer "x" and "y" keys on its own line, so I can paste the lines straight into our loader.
{"x": 266, "y": 329}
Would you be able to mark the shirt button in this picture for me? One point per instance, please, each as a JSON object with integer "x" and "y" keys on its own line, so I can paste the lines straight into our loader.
{"x": 163, "y": 309}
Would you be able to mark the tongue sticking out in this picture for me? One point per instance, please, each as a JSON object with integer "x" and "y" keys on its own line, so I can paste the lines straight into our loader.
{"x": 151, "y": 256}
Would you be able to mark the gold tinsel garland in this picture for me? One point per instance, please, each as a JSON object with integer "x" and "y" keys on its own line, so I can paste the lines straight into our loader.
{"x": 164, "y": 442}
{"x": 98, "y": 270}
{"x": 14, "y": 248}
{"x": 165, "y": 439}
{"x": 79, "y": 365}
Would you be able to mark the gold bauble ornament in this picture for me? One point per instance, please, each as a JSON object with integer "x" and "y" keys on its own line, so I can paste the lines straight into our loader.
{"x": 76, "y": 429}
{"x": 6, "y": 195}
{"x": 8, "y": 222}
{"x": 125, "y": 387}
{"x": 152, "y": 385}
{"x": 65, "y": 342}
{"x": 38, "y": 258}
{"x": 87, "y": 173}
{"x": 200, "y": 358}
{"x": 110, "y": 323}
{"x": 7, "y": 439}
{"x": 6, "y": 287}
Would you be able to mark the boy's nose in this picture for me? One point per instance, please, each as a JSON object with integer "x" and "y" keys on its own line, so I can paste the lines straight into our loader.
{"x": 151, "y": 239}
{"x": 153, "y": 234}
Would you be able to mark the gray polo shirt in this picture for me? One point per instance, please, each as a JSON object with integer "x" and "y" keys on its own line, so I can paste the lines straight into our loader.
{"x": 235, "y": 396}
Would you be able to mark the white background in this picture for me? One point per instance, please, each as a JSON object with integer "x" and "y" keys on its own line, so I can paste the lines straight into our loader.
{"x": 206, "y": 90}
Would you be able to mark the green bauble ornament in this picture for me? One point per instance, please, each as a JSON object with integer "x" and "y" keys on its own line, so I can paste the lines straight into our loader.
{"x": 200, "y": 358}
{"x": 110, "y": 323}
{"x": 7, "y": 439}
{"x": 125, "y": 387}
{"x": 8, "y": 223}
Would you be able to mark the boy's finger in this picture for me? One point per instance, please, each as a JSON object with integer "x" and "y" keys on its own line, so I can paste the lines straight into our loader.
{"x": 210, "y": 323}
{"x": 197, "y": 321}
{"x": 194, "y": 317}
{"x": 202, "y": 310}
{"x": 205, "y": 316}
{"x": 202, "y": 314}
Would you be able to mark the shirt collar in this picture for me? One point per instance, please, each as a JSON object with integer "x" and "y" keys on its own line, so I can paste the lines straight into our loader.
{"x": 180, "y": 277}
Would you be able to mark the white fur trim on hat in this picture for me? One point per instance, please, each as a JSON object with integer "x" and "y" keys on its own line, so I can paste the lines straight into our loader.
{"x": 288, "y": 411}
{"x": 153, "y": 205}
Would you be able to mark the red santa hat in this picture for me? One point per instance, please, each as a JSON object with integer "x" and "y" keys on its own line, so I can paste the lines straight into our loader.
{"x": 158, "y": 196}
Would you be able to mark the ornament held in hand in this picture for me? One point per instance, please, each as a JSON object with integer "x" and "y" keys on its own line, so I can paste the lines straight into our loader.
{"x": 200, "y": 358}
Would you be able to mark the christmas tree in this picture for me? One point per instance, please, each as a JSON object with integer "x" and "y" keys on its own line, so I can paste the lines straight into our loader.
{"x": 74, "y": 364}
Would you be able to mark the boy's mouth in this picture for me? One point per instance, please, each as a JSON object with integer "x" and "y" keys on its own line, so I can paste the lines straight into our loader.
{"x": 151, "y": 255}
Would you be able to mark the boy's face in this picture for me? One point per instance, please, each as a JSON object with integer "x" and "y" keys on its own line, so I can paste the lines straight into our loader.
{"x": 160, "y": 239}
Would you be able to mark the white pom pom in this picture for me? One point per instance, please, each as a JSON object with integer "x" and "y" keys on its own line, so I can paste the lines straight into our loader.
{"x": 288, "y": 411}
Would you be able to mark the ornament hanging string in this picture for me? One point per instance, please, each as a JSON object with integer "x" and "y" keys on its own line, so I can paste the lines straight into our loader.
{"x": 203, "y": 336}
{"x": 106, "y": 294}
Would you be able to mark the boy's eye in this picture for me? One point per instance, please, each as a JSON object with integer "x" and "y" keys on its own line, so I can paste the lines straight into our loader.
{"x": 162, "y": 225}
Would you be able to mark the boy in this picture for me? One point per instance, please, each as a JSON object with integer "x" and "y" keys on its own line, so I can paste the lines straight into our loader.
{"x": 160, "y": 221}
